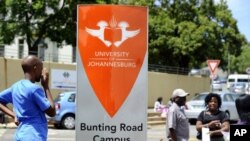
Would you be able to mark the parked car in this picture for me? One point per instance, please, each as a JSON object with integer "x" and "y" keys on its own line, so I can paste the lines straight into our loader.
{"x": 248, "y": 89}
{"x": 197, "y": 104}
{"x": 237, "y": 78}
{"x": 238, "y": 87}
{"x": 223, "y": 80}
{"x": 65, "y": 110}
{"x": 216, "y": 86}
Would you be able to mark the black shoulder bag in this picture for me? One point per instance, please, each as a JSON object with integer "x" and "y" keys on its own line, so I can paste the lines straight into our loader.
{"x": 198, "y": 136}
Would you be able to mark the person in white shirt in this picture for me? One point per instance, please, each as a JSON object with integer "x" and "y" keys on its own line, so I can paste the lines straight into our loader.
{"x": 177, "y": 122}
{"x": 159, "y": 107}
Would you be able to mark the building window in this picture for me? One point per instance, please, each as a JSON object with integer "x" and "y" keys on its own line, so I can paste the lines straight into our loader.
{"x": 42, "y": 45}
{"x": 1, "y": 50}
{"x": 20, "y": 48}
{"x": 73, "y": 54}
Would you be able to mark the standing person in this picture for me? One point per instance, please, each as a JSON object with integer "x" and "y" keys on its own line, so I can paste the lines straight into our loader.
{"x": 177, "y": 122}
{"x": 30, "y": 101}
{"x": 242, "y": 105}
{"x": 213, "y": 118}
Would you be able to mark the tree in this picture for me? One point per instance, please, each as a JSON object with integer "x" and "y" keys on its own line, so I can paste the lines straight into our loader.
{"x": 186, "y": 33}
{"x": 183, "y": 33}
{"x": 36, "y": 20}
{"x": 241, "y": 63}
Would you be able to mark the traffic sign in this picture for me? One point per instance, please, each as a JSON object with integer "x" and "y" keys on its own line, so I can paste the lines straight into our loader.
{"x": 213, "y": 65}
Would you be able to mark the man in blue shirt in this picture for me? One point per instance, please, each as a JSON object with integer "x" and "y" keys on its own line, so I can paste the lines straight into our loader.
{"x": 30, "y": 101}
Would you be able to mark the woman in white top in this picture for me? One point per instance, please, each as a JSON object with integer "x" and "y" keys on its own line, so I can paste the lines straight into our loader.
{"x": 159, "y": 107}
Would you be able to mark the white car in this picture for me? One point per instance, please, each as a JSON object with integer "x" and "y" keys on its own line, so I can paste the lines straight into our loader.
{"x": 240, "y": 87}
{"x": 197, "y": 104}
{"x": 216, "y": 86}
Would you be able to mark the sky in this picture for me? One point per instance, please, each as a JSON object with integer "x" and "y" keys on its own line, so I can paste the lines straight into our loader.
{"x": 241, "y": 12}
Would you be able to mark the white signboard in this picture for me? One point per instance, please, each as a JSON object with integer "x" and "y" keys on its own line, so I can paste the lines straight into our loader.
{"x": 112, "y": 73}
{"x": 63, "y": 79}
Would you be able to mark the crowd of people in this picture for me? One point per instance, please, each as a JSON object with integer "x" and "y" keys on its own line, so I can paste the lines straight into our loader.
{"x": 212, "y": 120}
{"x": 31, "y": 102}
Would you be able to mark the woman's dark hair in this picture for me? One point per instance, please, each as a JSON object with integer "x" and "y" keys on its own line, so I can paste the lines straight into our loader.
{"x": 159, "y": 99}
{"x": 209, "y": 97}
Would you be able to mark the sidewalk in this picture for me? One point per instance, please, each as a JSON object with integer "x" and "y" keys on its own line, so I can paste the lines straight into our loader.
{"x": 10, "y": 125}
{"x": 154, "y": 133}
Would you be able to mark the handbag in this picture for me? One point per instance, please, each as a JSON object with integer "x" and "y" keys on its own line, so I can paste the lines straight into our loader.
{"x": 199, "y": 135}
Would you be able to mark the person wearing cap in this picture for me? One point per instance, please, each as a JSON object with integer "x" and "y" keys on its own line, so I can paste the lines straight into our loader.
{"x": 177, "y": 122}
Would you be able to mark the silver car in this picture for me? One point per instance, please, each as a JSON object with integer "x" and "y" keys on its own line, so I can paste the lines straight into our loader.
{"x": 197, "y": 104}
{"x": 216, "y": 86}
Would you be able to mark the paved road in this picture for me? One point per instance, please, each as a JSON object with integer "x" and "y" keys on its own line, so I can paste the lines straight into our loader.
{"x": 155, "y": 133}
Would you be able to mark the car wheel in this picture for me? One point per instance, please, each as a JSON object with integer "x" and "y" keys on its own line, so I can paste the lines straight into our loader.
{"x": 68, "y": 122}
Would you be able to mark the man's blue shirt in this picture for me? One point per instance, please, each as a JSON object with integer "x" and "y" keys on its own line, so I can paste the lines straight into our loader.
{"x": 29, "y": 103}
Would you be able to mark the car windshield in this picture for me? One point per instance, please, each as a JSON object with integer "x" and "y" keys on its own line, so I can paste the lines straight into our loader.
{"x": 200, "y": 97}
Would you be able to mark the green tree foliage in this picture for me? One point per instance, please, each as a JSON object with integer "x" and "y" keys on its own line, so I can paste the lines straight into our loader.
{"x": 183, "y": 33}
{"x": 37, "y": 19}
{"x": 240, "y": 63}
{"x": 186, "y": 33}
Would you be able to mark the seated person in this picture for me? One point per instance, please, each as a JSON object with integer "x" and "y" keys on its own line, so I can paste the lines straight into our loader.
{"x": 159, "y": 107}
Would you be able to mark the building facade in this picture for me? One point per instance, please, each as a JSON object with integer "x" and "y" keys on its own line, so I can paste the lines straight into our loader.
{"x": 47, "y": 51}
